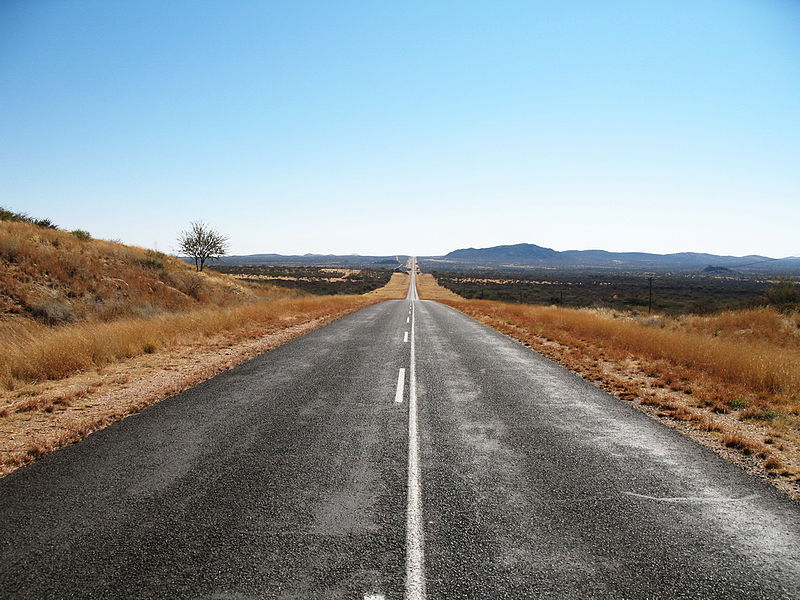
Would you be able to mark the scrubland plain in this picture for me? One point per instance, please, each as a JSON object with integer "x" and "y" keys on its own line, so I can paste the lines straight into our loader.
{"x": 316, "y": 280}
{"x": 732, "y": 379}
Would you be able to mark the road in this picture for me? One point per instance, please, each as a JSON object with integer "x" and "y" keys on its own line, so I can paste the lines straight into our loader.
{"x": 404, "y": 451}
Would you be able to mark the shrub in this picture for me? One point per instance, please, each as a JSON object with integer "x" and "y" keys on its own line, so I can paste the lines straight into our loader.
{"x": 153, "y": 260}
{"x": 52, "y": 311}
{"x": 10, "y": 215}
{"x": 81, "y": 234}
{"x": 784, "y": 295}
{"x": 738, "y": 403}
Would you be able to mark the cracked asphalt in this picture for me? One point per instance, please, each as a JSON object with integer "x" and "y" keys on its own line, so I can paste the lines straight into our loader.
{"x": 286, "y": 478}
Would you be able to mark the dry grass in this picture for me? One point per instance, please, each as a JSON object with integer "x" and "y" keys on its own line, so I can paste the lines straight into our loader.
{"x": 428, "y": 289}
{"x": 35, "y": 352}
{"x": 751, "y": 325}
{"x": 755, "y": 362}
{"x": 396, "y": 289}
{"x": 731, "y": 380}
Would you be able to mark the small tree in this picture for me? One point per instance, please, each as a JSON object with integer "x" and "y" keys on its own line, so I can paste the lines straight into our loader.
{"x": 202, "y": 243}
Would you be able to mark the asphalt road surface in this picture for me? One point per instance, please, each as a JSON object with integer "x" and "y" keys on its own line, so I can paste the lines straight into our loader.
{"x": 402, "y": 451}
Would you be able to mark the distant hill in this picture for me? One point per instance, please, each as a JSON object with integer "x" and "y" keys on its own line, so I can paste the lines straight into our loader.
{"x": 523, "y": 252}
{"x": 533, "y": 255}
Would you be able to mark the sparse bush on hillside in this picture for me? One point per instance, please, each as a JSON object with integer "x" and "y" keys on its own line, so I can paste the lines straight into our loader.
{"x": 52, "y": 311}
{"x": 153, "y": 260}
{"x": 10, "y": 215}
{"x": 81, "y": 234}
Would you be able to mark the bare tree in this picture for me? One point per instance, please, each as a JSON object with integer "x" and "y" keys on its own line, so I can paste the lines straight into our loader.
{"x": 202, "y": 243}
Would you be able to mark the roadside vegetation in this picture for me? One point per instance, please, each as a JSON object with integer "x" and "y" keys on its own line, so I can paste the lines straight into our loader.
{"x": 35, "y": 352}
{"x": 94, "y": 330}
{"x": 395, "y": 289}
{"x": 731, "y": 379}
{"x": 674, "y": 294}
{"x": 314, "y": 280}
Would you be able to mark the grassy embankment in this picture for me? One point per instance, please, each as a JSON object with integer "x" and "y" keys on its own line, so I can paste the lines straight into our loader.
{"x": 82, "y": 321}
{"x": 732, "y": 379}
{"x": 396, "y": 288}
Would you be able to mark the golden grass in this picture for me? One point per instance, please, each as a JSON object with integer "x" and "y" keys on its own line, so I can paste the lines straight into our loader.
{"x": 759, "y": 364}
{"x": 429, "y": 289}
{"x": 395, "y": 289}
{"x": 33, "y": 351}
{"x": 763, "y": 324}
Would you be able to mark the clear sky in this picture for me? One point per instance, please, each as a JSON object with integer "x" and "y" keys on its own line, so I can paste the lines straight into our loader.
{"x": 407, "y": 127}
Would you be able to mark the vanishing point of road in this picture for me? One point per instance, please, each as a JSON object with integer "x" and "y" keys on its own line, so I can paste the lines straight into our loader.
{"x": 404, "y": 451}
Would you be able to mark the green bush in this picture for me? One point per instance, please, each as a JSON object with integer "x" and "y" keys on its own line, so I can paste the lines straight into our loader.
{"x": 10, "y": 215}
{"x": 784, "y": 295}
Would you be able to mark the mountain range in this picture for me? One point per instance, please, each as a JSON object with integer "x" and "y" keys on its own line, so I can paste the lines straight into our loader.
{"x": 528, "y": 255}
{"x": 531, "y": 256}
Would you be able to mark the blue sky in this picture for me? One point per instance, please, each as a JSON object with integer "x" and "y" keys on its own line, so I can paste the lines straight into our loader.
{"x": 414, "y": 127}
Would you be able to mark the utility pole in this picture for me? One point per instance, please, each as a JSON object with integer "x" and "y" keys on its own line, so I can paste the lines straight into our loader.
{"x": 650, "y": 300}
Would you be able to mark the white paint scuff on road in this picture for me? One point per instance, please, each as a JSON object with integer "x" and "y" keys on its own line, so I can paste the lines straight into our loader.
{"x": 692, "y": 500}
{"x": 415, "y": 535}
{"x": 401, "y": 382}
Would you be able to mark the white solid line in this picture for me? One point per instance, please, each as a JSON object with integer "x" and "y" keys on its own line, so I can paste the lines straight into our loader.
{"x": 405, "y": 337}
{"x": 415, "y": 540}
{"x": 401, "y": 382}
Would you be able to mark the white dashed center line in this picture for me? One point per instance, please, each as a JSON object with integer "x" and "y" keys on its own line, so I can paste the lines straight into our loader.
{"x": 401, "y": 382}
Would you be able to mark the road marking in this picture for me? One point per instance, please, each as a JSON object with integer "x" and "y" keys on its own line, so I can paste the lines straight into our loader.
{"x": 401, "y": 382}
{"x": 408, "y": 319}
{"x": 415, "y": 540}
{"x": 688, "y": 499}
{"x": 405, "y": 337}
{"x": 374, "y": 597}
